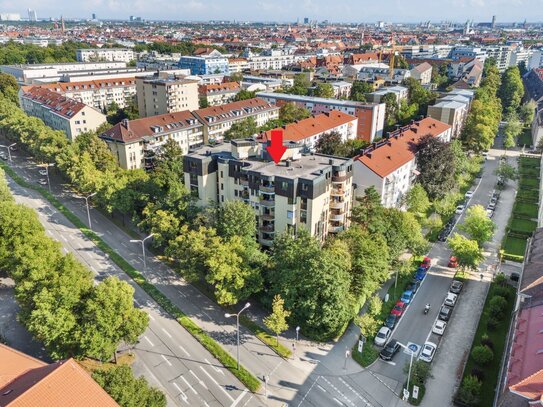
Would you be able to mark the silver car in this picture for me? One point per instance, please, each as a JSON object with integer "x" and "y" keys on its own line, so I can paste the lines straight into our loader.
{"x": 382, "y": 336}
{"x": 428, "y": 351}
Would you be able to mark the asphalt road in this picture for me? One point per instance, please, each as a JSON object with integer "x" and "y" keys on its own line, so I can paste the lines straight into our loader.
{"x": 167, "y": 354}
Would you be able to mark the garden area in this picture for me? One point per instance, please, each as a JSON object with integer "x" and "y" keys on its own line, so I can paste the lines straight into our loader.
{"x": 525, "y": 210}
{"x": 525, "y": 138}
{"x": 483, "y": 366}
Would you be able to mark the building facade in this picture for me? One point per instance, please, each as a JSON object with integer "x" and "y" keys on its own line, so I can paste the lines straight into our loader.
{"x": 219, "y": 94}
{"x": 310, "y": 191}
{"x": 105, "y": 54}
{"x": 59, "y": 112}
{"x": 371, "y": 116}
{"x": 400, "y": 92}
{"x": 135, "y": 143}
{"x": 161, "y": 94}
{"x": 211, "y": 63}
{"x": 422, "y": 73}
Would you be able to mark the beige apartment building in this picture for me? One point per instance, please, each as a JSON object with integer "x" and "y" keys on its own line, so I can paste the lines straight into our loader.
{"x": 219, "y": 93}
{"x": 97, "y": 93}
{"x": 163, "y": 94}
{"x": 136, "y": 142}
{"x": 217, "y": 120}
{"x": 59, "y": 112}
{"x": 310, "y": 191}
{"x": 105, "y": 54}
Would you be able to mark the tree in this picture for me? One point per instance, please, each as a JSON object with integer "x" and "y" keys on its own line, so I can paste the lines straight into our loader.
{"x": 478, "y": 225}
{"x": 324, "y": 90}
{"x": 244, "y": 95}
{"x": 329, "y": 143}
{"x": 236, "y": 218}
{"x": 469, "y": 390}
{"x": 109, "y": 317}
{"x": 527, "y": 113}
{"x": 290, "y": 112}
{"x": 359, "y": 91}
{"x": 300, "y": 86}
{"x": 9, "y": 88}
{"x": 120, "y": 383}
{"x": 369, "y": 212}
{"x": 242, "y": 129}
{"x": 236, "y": 77}
{"x": 466, "y": 251}
{"x": 482, "y": 355}
{"x": 277, "y": 320}
{"x": 203, "y": 102}
{"x": 512, "y": 130}
{"x": 417, "y": 200}
{"x": 435, "y": 161}
{"x": 506, "y": 171}
{"x": 391, "y": 109}
{"x": 418, "y": 95}
{"x": 511, "y": 90}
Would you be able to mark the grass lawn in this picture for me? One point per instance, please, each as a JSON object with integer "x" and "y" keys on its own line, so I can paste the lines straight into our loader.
{"x": 528, "y": 162}
{"x": 525, "y": 138}
{"x": 523, "y": 225}
{"x": 525, "y": 209}
{"x": 498, "y": 337}
{"x": 514, "y": 245}
{"x": 91, "y": 365}
{"x": 528, "y": 195}
{"x": 532, "y": 183}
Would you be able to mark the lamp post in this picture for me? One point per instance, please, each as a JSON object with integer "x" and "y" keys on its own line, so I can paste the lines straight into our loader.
{"x": 142, "y": 241}
{"x": 227, "y": 315}
{"x": 406, "y": 391}
{"x": 297, "y": 332}
{"x": 9, "y": 149}
{"x": 86, "y": 198}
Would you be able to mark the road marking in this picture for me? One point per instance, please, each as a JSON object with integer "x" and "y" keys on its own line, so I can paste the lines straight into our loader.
{"x": 166, "y": 332}
{"x": 50, "y": 233}
{"x": 341, "y": 393}
{"x": 389, "y": 362}
{"x": 183, "y": 395}
{"x": 123, "y": 244}
{"x": 322, "y": 388}
{"x": 109, "y": 231}
{"x": 63, "y": 238}
{"x": 184, "y": 350}
{"x": 166, "y": 360}
{"x": 337, "y": 401}
{"x": 65, "y": 250}
{"x": 188, "y": 384}
{"x": 235, "y": 403}
{"x": 151, "y": 317}
{"x": 214, "y": 367}
{"x": 181, "y": 293}
{"x": 215, "y": 381}
{"x": 148, "y": 340}
{"x": 199, "y": 380}
{"x": 309, "y": 391}
{"x": 92, "y": 268}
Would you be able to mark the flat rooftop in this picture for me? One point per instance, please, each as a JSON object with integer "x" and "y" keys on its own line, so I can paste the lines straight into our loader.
{"x": 324, "y": 101}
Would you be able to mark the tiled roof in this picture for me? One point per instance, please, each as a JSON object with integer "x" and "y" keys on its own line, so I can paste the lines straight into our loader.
{"x": 64, "y": 87}
{"x": 423, "y": 67}
{"x": 311, "y": 126}
{"x": 34, "y": 383}
{"x": 530, "y": 388}
{"x": 400, "y": 149}
{"x": 59, "y": 104}
{"x": 134, "y": 130}
{"x": 232, "y": 110}
{"x": 218, "y": 88}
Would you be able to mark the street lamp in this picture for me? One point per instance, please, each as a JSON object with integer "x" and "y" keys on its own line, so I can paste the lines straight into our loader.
{"x": 227, "y": 315}
{"x": 297, "y": 332}
{"x": 142, "y": 241}
{"x": 406, "y": 391}
{"x": 86, "y": 198}
{"x": 9, "y": 149}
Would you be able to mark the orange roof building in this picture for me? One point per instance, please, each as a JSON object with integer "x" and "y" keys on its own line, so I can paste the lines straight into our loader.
{"x": 390, "y": 166}
{"x": 29, "y": 382}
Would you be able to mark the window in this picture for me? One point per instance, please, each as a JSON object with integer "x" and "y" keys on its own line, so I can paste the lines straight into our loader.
{"x": 305, "y": 187}
{"x": 290, "y": 214}
{"x": 284, "y": 185}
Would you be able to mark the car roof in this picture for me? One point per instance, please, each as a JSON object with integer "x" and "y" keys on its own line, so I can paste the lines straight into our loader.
{"x": 449, "y": 294}
{"x": 384, "y": 328}
{"x": 399, "y": 302}
{"x": 408, "y": 292}
{"x": 440, "y": 322}
{"x": 430, "y": 343}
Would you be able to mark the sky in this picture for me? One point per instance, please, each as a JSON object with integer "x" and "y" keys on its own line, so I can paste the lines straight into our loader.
{"x": 287, "y": 10}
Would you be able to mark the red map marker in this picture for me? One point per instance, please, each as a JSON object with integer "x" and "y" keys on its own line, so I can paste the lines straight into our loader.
{"x": 276, "y": 149}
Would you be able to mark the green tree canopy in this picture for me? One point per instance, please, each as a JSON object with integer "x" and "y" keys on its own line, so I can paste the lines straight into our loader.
{"x": 435, "y": 161}
{"x": 324, "y": 90}
{"x": 466, "y": 251}
{"x": 277, "y": 320}
{"x": 477, "y": 225}
{"x": 511, "y": 90}
{"x": 329, "y": 143}
{"x": 290, "y": 112}
{"x": 242, "y": 129}
{"x": 359, "y": 91}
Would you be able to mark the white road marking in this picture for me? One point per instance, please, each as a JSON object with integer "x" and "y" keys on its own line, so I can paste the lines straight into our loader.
{"x": 151, "y": 317}
{"x": 123, "y": 244}
{"x": 109, "y": 231}
{"x": 50, "y": 233}
{"x": 218, "y": 385}
{"x": 166, "y": 360}
{"x": 92, "y": 268}
{"x": 322, "y": 388}
{"x": 309, "y": 391}
{"x": 63, "y": 238}
{"x": 235, "y": 403}
{"x": 148, "y": 340}
{"x": 214, "y": 367}
{"x": 199, "y": 380}
{"x": 184, "y": 350}
{"x": 65, "y": 250}
{"x": 183, "y": 395}
{"x": 337, "y": 401}
{"x": 166, "y": 332}
{"x": 188, "y": 384}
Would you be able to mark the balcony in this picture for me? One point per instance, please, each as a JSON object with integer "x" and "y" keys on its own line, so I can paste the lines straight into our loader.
{"x": 338, "y": 217}
{"x": 244, "y": 182}
{"x": 337, "y": 204}
{"x": 267, "y": 189}
{"x": 267, "y": 228}
{"x": 267, "y": 202}
{"x": 268, "y": 216}
{"x": 337, "y": 192}
{"x": 340, "y": 176}
{"x": 266, "y": 241}
{"x": 336, "y": 229}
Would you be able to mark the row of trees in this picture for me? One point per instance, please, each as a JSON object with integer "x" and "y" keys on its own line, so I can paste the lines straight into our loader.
{"x": 331, "y": 143}
{"x": 13, "y": 53}
{"x": 181, "y": 47}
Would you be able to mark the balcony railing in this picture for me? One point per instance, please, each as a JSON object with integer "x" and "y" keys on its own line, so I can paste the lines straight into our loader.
{"x": 268, "y": 216}
{"x": 267, "y": 229}
{"x": 267, "y": 189}
{"x": 337, "y": 192}
{"x": 337, "y": 205}
{"x": 267, "y": 202}
{"x": 336, "y": 229}
{"x": 339, "y": 217}
{"x": 244, "y": 182}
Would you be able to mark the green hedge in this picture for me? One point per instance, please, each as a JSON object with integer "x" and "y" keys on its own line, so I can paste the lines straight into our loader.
{"x": 209, "y": 343}
{"x": 526, "y": 209}
{"x": 265, "y": 337}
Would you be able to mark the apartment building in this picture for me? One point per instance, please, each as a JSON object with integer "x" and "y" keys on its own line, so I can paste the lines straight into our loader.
{"x": 59, "y": 112}
{"x": 217, "y": 120}
{"x": 237, "y": 65}
{"x": 263, "y": 83}
{"x": 161, "y": 94}
{"x": 371, "y": 116}
{"x": 212, "y": 62}
{"x": 136, "y": 142}
{"x": 400, "y": 92}
{"x": 105, "y": 54}
{"x": 263, "y": 62}
{"x": 453, "y": 109}
{"x": 219, "y": 94}
{"x": 537, "y": 125}
{"x": 97, "y": 93}
{"x": 310, "y": 191}
{"x": 307, "y": 132}
{"x": 370, "y": 73}
{"x": 390, "y": 164}
{"x": 422, "y": 73}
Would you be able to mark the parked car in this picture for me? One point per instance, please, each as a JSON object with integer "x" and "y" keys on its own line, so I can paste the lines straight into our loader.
{"x": 443, "y": 235}
{"x": 413, "y": 286}
{"x": 382, "y": 336}
{"x": 450, "y": 299}
{"x": 468, "y": 194}
{"x": 398, "y": 309}
{"x": 453, "y": 262}
{"x": 420, "y": 274}
{"x": 391, "y": 348}
{"x": 485, "y": 154}
{"x": 42, "y": 181}
{"x": 3, "y": 156}
{"x": 491, "y": 206}
{"x": 426, "y": 262}
{"x": 407, "y": 296}
{"x": 489, "y": 213}
{"x": 445, "y": 313}
{"x": 514, "y": 276}
{"x": 428, "y": 351}
{"x": 43, "y": 172}
{"x": 439, "y": 327}
{"x": 391, "y": 321}
{"x": 460, "y": 209}
{"x": 456, "y": 287}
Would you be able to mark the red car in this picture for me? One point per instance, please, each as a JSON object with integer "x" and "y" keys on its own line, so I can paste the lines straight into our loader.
{"x": 426, "y": 262}
{"x": 453, "y": 262}
{"x": 398, "y": 309}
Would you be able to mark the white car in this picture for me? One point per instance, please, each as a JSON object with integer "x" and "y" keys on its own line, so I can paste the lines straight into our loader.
{"x": 460, "y": 209}
{"x": 450, "y": 300}
{"x": 489, "y": 213}
{"x": 491, "y": 206}
{"x": 42, "y": 181}
{"x": 469, "y": 194}
{"x": 428, "y": 351}
{"x": 439, "y": 327}
{"x": 43, "y": 172}
{"x": 382, "y": 336}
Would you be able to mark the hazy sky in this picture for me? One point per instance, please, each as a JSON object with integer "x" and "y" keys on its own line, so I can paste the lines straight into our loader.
{"x": 288, "y": 10}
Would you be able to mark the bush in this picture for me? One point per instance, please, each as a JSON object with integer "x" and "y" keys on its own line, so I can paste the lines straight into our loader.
{"x": 368, "y": 325}
{"x": 485, "y": 340}
{"x": 492, "y": 323}
{"x": 482, "y": 355}
{"x": 469, "y": 391}
{"x": 496, "y": 306}
{"x": 375, "y": 305}
{"x": 500, "y": 279}
{"x": 478, "y": 373}
{"x": 502, "y": 292}
{"x": 420, "y": 371}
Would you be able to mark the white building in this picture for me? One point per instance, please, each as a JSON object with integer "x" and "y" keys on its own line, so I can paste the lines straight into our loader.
{"x": 401, "y": 93}
{"x": 105, "y": 54}
{"x": 422, "y": 73}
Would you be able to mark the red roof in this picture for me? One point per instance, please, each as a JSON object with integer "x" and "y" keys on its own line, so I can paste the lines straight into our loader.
{"x": 228, "y": 111}
{"x": 218, "y": 87}
{"x": 88, "y": 85}
{"x": 400, "y": 150}
{"x": 59, "y": 104}
{"x": 530, "y": 388}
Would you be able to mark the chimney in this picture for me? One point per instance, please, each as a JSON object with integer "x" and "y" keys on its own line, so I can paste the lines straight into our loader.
{"x": 125, "y": 123}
